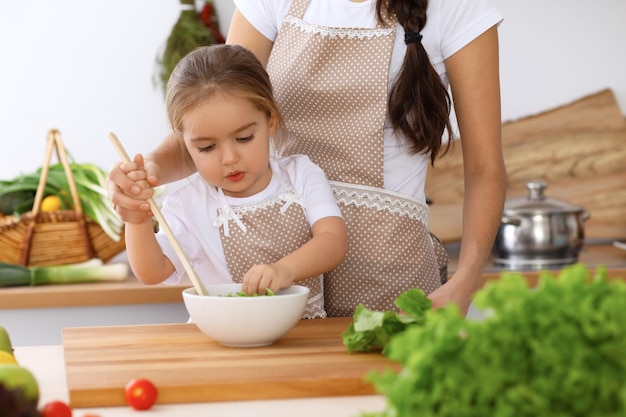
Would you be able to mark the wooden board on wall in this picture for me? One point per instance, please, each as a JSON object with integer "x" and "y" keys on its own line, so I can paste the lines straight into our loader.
{"x": 579, "y": 149}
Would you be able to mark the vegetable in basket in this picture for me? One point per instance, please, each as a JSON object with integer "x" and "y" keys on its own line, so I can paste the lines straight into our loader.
{"x": 18, "y": 195}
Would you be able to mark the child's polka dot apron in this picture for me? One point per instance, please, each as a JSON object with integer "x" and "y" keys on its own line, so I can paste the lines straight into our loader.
{"x": 264, "y": 232}
{"x": 332, "y": 88}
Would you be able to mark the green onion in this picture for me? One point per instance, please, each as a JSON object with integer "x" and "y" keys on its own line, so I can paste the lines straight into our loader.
{"x": 94, "y": 270}
{"x": 90, "y": 184}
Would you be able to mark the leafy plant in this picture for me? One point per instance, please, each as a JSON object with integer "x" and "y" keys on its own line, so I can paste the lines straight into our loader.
{"x": 557, "y": 350}
{"x": 17, "y": 195}
{"x": 191, "y": 30}
{"x": 371, "y": 330}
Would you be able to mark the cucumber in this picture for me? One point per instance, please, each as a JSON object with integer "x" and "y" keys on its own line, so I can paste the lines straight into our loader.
{"x": 14, "y": 275}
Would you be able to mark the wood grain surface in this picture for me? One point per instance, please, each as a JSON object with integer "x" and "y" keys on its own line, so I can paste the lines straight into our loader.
{"x": 579, "y": 149}
{"x": 187, "y": 366}
{"x": 92, "y": 294}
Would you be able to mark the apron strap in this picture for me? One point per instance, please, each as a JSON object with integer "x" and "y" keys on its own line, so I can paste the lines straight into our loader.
{"x": 297, "y": 8}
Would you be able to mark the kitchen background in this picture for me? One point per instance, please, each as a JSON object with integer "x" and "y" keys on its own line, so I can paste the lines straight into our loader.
{"x": 87, "y": 68}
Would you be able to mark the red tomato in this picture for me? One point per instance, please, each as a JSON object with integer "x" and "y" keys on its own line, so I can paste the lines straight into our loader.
{"x": 56, "y": 409}
{"x": 141, "y": 394}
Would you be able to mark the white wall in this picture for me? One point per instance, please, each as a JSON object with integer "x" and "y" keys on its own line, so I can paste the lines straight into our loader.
{"x": 86, "y": 68}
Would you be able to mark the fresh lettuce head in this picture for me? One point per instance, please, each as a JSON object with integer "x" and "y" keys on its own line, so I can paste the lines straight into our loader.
{"x": 555, "y": 350}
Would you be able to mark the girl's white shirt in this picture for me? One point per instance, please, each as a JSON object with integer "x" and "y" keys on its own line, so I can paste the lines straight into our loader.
{"x": 192, "y": 210}
{"x": 451, "y": 24}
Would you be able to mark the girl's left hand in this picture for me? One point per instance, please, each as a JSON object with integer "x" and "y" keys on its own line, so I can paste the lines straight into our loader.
{"x": 261, "y": 277}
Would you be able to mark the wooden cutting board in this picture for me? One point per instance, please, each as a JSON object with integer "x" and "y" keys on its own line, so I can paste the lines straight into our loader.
{"x": 188, "y": 366}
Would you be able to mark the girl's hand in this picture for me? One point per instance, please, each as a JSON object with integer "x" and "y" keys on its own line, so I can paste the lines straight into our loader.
{"x": 129, "y": 187}
{"x": 261, "y": 277}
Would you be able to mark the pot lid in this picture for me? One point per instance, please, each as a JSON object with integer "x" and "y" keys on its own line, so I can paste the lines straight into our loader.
{"x": 537, "y": 203}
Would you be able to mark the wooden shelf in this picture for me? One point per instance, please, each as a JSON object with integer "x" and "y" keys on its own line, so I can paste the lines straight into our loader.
{"x": 127, "y": 292}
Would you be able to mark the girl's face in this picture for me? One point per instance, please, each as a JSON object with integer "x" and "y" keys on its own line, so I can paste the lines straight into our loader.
{"x": 228, "y": 139}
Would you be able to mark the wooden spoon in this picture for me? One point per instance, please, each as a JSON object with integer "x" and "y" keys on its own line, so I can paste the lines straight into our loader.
{"x": 197, "y": 284}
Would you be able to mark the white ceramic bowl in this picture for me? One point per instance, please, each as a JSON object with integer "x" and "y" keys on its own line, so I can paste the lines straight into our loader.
{"x": 245, "y": 321}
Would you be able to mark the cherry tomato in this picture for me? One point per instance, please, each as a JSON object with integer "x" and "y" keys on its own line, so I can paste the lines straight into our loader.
{"x": 140, "y": 393}
{"x": 56, "y": 409}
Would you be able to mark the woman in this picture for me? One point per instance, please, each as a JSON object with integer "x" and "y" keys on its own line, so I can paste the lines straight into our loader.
{"x": 362, "y": 88}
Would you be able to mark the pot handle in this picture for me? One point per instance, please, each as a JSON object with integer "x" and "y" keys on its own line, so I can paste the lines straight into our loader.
{"x": 513, "y": 221}
{"x": 585, "y": 215}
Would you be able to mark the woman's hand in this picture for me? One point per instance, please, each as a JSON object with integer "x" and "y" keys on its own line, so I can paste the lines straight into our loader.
{"x": 456, "y": 290}
{"x": 129, "y": 186}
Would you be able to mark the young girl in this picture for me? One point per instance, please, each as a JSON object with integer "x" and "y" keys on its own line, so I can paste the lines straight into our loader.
{"x": 245, "y": 216}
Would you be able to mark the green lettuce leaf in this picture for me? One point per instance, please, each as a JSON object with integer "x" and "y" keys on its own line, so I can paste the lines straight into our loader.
{"x": 371, "y": 331}
{"x": 555, "y": 350}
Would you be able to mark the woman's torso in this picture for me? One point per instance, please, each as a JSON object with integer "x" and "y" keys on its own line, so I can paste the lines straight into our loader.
{"x": 451, "y": 25}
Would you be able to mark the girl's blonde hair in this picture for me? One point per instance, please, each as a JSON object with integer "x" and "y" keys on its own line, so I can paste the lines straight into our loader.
{"x": 218, "y": 69}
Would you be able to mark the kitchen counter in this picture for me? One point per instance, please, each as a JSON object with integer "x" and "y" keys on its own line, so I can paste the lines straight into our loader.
{"x": 23, "y": 309}
{"x": 131, "y": 302}
{"x": 129, "y": 291}
{"x": 594, "y": 253}
{"x": 47, "y": 364}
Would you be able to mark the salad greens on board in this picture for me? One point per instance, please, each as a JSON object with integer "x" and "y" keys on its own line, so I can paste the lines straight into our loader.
{"x": 371, "y": 330}
{"x": 556, "y": 350}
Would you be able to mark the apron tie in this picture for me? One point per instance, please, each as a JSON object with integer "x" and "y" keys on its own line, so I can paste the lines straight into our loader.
{"x": 289, "y": 198}
{"x": 225, "y": 214}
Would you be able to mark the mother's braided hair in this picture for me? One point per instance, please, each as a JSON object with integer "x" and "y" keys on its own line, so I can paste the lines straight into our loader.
{"x": 419, "y": 104}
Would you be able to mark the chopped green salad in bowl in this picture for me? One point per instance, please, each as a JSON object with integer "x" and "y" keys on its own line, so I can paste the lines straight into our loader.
{"x": 232, "y": 319}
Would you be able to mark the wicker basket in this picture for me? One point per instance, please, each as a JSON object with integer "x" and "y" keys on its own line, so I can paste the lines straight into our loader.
{"x": 39, "y": 238}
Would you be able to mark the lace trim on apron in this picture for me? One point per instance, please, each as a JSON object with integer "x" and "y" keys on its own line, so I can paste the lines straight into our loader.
{"x": 338, "y": 32}
{"x": 227, "y": 213}
{"x": 371, "y": 197}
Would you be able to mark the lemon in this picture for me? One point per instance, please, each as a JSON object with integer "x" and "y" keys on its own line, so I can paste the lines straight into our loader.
{"x": 6, "y": 357}
{"x": 51, "y": 203}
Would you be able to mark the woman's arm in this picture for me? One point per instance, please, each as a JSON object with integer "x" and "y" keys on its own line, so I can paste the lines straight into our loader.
{"x": 241, "y": 32}
{"x": 322, "y": 253}
{"x": 475, "y": 83}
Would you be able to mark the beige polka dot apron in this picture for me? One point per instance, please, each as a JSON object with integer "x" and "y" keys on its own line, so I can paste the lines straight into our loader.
{"x": 332, "y": 87}
{"x": 263, "y": 233}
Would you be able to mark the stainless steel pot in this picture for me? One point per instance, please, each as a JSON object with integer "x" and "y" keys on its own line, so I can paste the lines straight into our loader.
{"x": 538, "y": 232}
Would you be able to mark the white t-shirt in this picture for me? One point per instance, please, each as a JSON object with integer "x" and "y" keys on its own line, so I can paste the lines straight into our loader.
{"x": 191, "y": 210}
{"x": 451, "y": 24}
